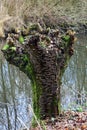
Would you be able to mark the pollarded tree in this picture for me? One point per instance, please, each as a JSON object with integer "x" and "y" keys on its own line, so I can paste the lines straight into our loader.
{"x": 43, "y": 55}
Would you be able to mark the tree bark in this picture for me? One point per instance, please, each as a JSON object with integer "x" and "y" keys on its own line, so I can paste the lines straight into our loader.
{"x": 43, "y": 57}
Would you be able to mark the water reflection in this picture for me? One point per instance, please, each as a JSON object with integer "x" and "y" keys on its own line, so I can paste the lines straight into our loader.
{"x": 15, "y": 96}
{"x": 74, "y": 81}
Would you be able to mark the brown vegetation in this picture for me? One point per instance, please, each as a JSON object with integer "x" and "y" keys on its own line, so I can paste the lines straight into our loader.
{"x": 58, "y": 12}
{"x": 66, "y": 121}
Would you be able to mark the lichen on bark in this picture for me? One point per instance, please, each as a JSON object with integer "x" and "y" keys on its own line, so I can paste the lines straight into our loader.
{"x": 43, "y": 56}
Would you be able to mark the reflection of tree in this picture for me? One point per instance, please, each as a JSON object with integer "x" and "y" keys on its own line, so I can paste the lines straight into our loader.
{"x": 80, "y": 67}
{"x": 5, "y": 98}
{"x": 11, "y": 77}
{"x": 14, "y": 97}
{"x": 75, "y": 77}
{"x": 2, "y": 120}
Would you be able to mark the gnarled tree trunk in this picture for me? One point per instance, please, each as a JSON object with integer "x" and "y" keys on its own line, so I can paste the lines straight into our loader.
{"x": 43, "y": 55}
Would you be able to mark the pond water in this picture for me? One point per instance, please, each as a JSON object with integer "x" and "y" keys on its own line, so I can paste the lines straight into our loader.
{"x": 15, "y": 97}
{"x": 15, "y": 89}
{"x": 74, "y": 81}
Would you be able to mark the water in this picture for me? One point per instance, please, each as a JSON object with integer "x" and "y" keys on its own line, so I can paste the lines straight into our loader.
{"x": 74, "y": 81}
{"x": 15, "y": 89}
{"x": 15, "y": 97}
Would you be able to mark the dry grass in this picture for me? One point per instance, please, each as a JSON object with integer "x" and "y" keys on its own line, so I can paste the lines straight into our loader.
{"x": 22, "y": 11}
{"x": 35, "y": 10}
{"x": 23, "y": 8}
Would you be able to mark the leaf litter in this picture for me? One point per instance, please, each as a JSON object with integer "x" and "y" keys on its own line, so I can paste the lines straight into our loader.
{"x": 69, "y": 120}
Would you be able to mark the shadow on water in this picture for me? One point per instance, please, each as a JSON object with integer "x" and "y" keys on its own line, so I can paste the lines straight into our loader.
{"x": 15, "y": 96}
{"x": 74, "y": 81}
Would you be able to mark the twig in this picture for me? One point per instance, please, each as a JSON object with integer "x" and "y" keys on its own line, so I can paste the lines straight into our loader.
{"x": 30, "y": 108}
{"x": 4, "y": 103}
{"x": 22, "y": 123}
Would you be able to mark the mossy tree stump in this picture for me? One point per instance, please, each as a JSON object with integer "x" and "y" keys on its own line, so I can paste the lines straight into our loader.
{"x": 42, "y": 54}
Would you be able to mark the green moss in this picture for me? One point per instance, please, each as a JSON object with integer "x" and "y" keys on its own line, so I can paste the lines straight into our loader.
{"x": 25, "y": 58}
{"x": 66, "y": 38}
{"x": 13, "y": 48}
{"x": 35, "y": 85}
{"x": 21, "y": 39}
{"x": 6, "y": 47}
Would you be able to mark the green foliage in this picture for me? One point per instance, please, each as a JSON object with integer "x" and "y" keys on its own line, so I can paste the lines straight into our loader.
{"x": 79, "y": 109}
{"x": 6, "y": 46}
{"x": 21, "y": 39}
{"x": 25, "y": 58}
{"x": 66, "y": 38}
{"x": 28, "y": 69}
{"x": 13, "y": 48}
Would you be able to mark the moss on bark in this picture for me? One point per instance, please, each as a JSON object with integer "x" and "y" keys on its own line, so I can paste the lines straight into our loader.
{"x": 43, "y": 56}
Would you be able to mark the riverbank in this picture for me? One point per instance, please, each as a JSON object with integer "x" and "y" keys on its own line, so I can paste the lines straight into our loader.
{"x": 66, "y": 14}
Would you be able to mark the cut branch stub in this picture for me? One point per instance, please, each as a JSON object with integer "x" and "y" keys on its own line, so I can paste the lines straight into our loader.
{"x": 44, "y": 58}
